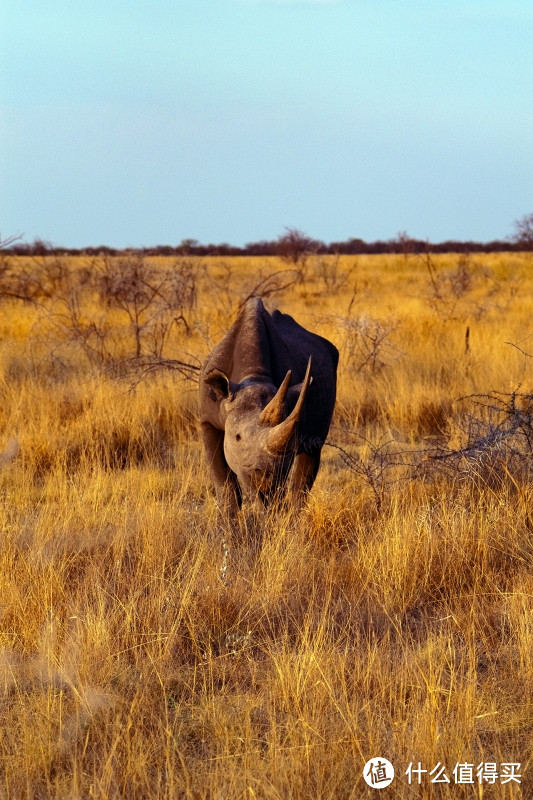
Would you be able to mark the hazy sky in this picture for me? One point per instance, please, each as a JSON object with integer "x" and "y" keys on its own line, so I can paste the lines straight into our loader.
{"x": 143, "y": 122}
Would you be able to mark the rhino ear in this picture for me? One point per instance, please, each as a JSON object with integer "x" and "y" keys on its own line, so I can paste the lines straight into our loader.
{"x": 219, "y": 384}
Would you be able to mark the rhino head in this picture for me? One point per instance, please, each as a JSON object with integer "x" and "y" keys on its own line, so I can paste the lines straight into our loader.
{"x": 259, "y": 435}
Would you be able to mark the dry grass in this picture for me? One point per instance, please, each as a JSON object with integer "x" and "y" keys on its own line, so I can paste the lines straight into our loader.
{"x": 145, "y": 654}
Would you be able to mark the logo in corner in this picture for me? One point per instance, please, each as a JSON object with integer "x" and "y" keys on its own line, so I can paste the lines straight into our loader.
{"x": 378, "y": 773}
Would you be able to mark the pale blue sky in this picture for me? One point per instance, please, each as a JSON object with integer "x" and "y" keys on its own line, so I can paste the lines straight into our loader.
{"x": 137, "y": 122}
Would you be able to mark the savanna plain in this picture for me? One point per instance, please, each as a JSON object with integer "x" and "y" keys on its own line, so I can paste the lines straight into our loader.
{"x": 146, "y": 651}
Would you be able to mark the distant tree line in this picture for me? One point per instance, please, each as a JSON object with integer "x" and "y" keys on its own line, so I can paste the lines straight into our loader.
{"x": 271, "y": 248}
{"x": 293, "y": 242}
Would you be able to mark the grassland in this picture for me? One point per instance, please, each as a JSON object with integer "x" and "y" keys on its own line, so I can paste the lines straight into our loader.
{"x": 146, "y": 653}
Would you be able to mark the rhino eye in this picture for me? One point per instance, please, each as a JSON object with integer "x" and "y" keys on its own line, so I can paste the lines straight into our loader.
{"x": 238, "y": 437}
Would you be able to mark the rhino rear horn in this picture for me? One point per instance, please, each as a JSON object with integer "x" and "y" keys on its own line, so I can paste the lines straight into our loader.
{"x": 274, "y": 412}
{"x": 279, "y": 436}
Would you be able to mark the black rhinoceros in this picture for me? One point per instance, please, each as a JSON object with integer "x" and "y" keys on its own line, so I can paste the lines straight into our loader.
{"x": 267, "y": 393}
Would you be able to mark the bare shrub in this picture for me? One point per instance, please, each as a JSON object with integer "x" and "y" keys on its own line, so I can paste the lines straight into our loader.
{"x": 49, "y": 276}
{"x": 233, "y": 293}
{"x": 295, "y": 248}
{"x": 492, "y": 447}
{"x": 367, "y": 343}
{"x": 117, "y": 313}
{"x": 523, "y": 235}
{"x": 406, "y": 244}
{"x": 40, "y": 278}
{"x": 446, "y": 289}
{"x": 268, "y": 285}
{"x": 6, "y": 272}
{"x": 380, "y": 466}
{"x": 497, "y": 444}
{"x": 9, "y": 240}
{"x": 454, "y": 294}
{"x": 152, "y": 297}
{"x": 327, "y": 269}
{"x": 69, "y": 330}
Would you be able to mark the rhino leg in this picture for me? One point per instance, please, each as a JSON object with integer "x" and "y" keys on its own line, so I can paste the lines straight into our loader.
{"x": 303, "y": 475}
{"x": 229, "y": 496}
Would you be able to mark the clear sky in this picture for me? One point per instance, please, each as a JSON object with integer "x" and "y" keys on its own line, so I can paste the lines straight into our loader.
{"x": 144, "y": 122}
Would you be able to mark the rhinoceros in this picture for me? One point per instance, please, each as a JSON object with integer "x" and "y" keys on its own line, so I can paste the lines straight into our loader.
{"x": 267, "y": 393}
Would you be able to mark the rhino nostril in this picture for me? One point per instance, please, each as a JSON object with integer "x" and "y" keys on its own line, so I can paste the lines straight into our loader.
{"x": 238, "y": 437}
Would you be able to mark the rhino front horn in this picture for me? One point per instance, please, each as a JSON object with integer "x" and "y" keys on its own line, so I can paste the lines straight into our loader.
{"x": 274, "y": 412}
{"x": 278, "y": 438}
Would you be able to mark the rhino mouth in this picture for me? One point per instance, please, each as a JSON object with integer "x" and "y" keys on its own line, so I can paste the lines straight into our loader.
{"x": 266, "y": 484}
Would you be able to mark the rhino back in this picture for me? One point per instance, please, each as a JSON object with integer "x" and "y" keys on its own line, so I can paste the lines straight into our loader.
{"x": 245, "y": 348}
{"x": 298, "y": 345}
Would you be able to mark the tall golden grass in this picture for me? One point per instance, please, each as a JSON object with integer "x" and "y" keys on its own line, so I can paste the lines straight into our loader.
{"x": 147, "y": 653}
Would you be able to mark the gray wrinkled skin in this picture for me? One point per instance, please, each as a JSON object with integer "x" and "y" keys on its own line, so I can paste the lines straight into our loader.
{"x": 245, "y": 442}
